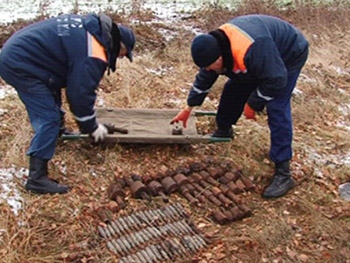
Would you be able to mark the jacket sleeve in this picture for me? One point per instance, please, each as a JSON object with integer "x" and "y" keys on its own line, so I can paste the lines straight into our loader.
{"x": 201, "y": 86}
{"x": 82, "y": 82}
{"x": 264, "y": 62}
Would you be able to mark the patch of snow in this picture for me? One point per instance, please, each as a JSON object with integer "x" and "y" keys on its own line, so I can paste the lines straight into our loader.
{"x": 9, "y": 192}
{"x": 6, "y": 90}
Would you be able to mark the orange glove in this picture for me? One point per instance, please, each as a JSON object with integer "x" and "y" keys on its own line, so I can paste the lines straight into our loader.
{"x": 249, "y": 113}
{"x": 183, "y": 116}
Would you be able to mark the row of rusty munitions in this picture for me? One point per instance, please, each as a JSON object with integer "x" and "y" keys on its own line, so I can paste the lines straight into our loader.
{"x": 158, "y": 235}
{"x": 199, "y": 184}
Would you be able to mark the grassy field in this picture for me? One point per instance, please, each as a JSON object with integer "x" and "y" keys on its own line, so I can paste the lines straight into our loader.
{"x": 310, "y": 224}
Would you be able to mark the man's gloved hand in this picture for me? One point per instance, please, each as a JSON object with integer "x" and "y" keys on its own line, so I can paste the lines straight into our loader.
{"x": 249, "y": 113}
{"x": 183, "y": 116}
{"x": 100, "y": 133}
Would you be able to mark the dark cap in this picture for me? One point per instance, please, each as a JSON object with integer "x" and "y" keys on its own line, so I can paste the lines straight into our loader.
{"x": 128, "y": 39}
{"x": 205, "y": 50}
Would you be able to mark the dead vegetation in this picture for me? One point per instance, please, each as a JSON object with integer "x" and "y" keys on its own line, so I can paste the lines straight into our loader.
{"x": 310, "y": 224}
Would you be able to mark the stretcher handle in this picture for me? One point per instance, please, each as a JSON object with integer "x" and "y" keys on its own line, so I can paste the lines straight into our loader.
{"x": 204, "y": 113}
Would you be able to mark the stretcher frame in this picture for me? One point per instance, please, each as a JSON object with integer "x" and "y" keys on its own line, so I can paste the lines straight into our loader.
{"x": 150, "y": 126}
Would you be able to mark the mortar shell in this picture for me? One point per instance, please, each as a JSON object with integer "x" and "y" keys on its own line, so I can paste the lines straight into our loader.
{"x": 156, "y": 253}
{"x": 102, "y": 231}
{"x": 150, "y": 254}
{"x": 111, "y": 247}
{"x": 118, "y": 247}
{"x": 188, "y": 243}
{"x": 111, "y": 230}
{"x": 161, "y": 250}
{"x": 115, "y": 228}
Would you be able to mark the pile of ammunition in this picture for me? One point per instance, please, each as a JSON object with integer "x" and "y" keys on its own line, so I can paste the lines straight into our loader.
{"x": 162, "y": 235}
{"x": 210, "y": 186}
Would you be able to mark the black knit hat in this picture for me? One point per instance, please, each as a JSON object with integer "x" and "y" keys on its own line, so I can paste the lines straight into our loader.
{"x": 205, "y": 50}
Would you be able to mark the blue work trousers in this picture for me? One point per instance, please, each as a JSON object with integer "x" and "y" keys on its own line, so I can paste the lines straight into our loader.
{"x": 45, "y": 116}
{"x": 233, "y": 98}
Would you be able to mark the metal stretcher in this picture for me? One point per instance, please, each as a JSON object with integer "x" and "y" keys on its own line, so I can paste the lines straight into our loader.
{"x": 150, "y": 126}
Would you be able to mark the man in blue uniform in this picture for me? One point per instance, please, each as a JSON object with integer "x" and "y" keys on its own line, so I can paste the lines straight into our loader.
{"x": 71, "y": 52}
{"x": 262, "y": 56}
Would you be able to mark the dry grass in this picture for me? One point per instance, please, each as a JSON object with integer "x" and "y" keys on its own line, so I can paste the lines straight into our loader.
{"x": 311, "y": 224}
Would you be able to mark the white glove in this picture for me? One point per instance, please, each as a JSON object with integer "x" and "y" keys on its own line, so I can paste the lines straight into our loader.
{"x": 100, "y": 133}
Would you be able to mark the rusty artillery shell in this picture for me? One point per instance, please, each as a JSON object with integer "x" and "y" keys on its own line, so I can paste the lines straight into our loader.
{"x": 169, "y": 184}
{"x": 237, "y": 213}
{"x": 204, "y": 184}
{"x": 227, "y": 192}
{"x": 116, "y": 193}
{"x": 207, "y": 177}
{"x": 186, "y": 193}
{"x": 217, "y": 192}
{"x": 234, "y": 188}
{"x": 215, "y": 172}
{"x": 245, "y": 210}
{"x": 208, "y": 194}
{"x": 248, "y": 183}
{"x": 181, "y": 179}
{"x": 158, "y": 189}
{"x": 240, "y": 185}
{"x": 228, "y": 177}
{"x": 220, "y": 218}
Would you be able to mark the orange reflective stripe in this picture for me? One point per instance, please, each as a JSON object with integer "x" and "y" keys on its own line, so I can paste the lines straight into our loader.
{"x": 240, "y": 42}
{"x": 95, "y": 49}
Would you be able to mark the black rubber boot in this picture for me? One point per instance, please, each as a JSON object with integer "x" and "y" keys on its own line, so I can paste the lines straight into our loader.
{"x": 282, "y": 181}
{"x": 38, "y": 181}
{"x": 223, "y": 133}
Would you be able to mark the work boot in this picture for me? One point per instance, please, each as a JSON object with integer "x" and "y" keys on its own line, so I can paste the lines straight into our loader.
{"x": 282, "y": 181}
{"x": 223, "y": 133}
{"x": 38, "y": 181}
